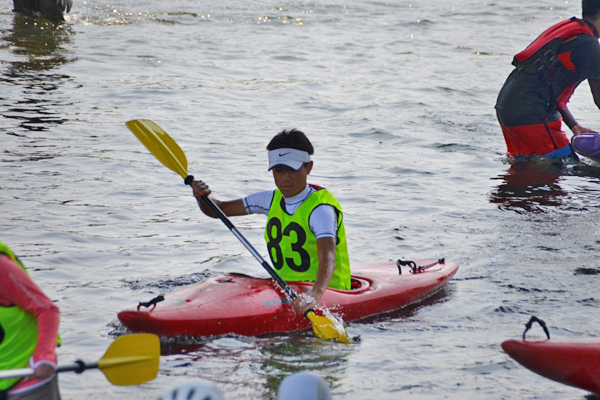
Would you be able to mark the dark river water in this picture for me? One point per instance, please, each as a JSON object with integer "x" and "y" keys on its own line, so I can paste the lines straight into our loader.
{"x": 398, "y": 100}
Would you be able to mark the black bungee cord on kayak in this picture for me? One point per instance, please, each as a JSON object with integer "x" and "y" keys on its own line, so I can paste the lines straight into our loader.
{"x": 413, "y": 266}
{"x": 152, "y": 302}
{"x": 539, "y": 321}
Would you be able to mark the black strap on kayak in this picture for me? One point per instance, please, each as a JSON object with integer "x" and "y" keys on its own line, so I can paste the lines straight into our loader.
{"x": 410, "y": 264}
{"x": 413, "y": 266}
{"x": 539, "y": 321}
{"x": 152, "y": 302}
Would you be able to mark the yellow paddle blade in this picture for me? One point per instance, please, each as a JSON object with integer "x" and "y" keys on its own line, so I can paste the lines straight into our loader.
{"x": 328, "y": 328}
{"x": 164, "y": 148}
{"x": 131, "y": 359}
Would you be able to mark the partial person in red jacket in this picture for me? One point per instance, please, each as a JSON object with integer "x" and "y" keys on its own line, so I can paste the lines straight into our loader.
{"x": 29, "y": 323}
{"x": 533, "y": 101}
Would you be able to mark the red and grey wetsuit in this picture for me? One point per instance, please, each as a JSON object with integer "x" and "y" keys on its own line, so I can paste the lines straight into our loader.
{"x": 546, "y": 74}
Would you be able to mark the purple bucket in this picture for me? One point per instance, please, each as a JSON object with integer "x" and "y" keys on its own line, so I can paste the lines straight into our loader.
{"x": 587, "y": 144}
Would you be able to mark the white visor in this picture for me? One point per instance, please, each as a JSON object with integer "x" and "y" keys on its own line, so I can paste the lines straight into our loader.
{"x": 292, "y": 158}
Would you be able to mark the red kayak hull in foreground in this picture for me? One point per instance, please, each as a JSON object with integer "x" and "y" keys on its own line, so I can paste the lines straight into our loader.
{"x": 574, "y": 363}
{"x": 243, "y": 305}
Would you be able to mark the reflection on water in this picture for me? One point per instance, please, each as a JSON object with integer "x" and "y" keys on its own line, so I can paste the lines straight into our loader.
{"x": 283, "y": 358}
{"x": 529, "y": 185}
{"x": 35, "y": 49}
{"x": 533, "y": 185}
{"x": 273, "y": 357}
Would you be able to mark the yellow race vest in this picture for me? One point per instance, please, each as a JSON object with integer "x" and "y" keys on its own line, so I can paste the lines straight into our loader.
{"x": 18, "y": 334}
{"x": 292, "y": 245}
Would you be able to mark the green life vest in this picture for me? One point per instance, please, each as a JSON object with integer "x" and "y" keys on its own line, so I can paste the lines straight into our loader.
{"x": 292, "y": 245}
{"x": 18, "y": 333}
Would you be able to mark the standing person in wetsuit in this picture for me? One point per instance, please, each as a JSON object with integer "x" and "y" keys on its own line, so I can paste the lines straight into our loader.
{"x": 305, "y": 234}
{"x": 533, "y": 101}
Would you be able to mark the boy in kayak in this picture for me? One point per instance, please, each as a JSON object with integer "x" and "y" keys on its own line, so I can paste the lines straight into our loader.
{"x": 305, "y": 235}
{"x": 28, "y": 333}
{"x": 533, "y": 101}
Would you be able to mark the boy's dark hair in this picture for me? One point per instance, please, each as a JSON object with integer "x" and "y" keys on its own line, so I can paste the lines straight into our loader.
{"x": 291, "y": 139}
{"x": 590, "y": 9}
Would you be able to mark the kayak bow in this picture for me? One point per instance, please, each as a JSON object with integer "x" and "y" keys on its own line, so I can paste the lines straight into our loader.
{"x": 573, "y": 363}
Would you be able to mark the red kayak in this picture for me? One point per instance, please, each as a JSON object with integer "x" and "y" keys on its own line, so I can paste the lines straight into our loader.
{"x": 243, "y": 305}
{"x": 574, "y": 363}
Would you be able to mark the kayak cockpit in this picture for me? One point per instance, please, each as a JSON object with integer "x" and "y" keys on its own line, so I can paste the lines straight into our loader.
{"x": 357, "y": 285}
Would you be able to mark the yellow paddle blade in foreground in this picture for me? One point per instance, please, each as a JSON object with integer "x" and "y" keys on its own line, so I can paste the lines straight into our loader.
{"x": 164, "y": 148}
{"x": 131, "y": 359}
{"x": 328, "y": 328}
